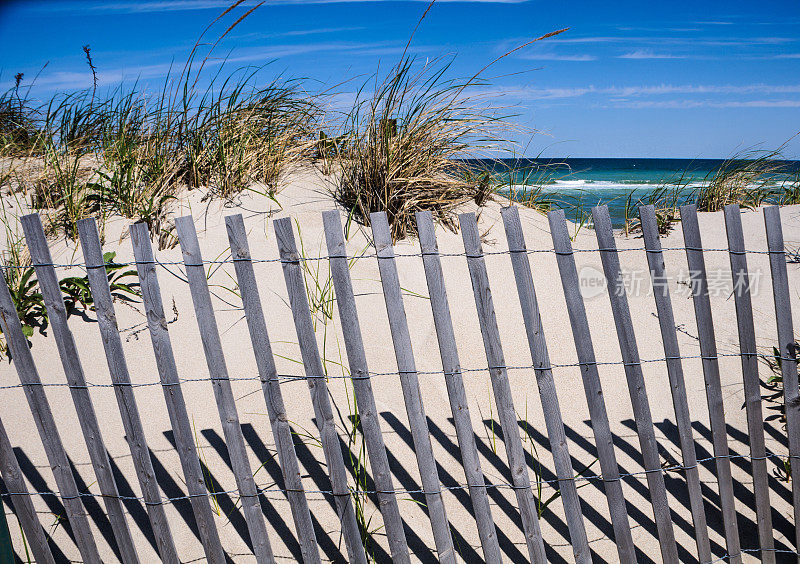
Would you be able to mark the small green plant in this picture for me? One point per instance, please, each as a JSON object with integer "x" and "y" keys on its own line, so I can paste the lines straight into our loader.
{"x": 357, "y": 452}
{"x": 28, "y": 556}
{"x": 29, "y": 303}
{"x": 541, "y": 503}
{"x": 21, "y": 279}
{"x": 774, "y": 384}
{"x": 318, "y": 282}
{"x": 77, "y": 292}
{"x": 27, "y": 299}
{"x": 783, "y": 469}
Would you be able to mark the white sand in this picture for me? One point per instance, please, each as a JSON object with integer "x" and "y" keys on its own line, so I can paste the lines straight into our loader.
{"x": 303, "y": 198}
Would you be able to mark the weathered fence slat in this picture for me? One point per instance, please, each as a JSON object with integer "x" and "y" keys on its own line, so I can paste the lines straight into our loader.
{"x": 406, "y": 366}
{"x": 633, "y": 373}
{"x": 708, "y": 352}
{"x": 752, "y": 385}
{"x": 537, "y": 343}
{"x": 276, "y": 410}
{"x": 592, "y": 387}
{"x": 21, "y": 500}
{"x": 669, "y": 338}
{"x": 46, "y": 425}
{"x": 362, "y": 387}
{"x": 455, "y": 387}
{"x": 315, "y": 376}
{"x": 67, "y": 350}
{"x": 503, "y": 399}
{"x": 787, "y": 350}
{"x": 218, "y": 373}
{"x": 118, "y": 369}
{"x": 170, "y": 382}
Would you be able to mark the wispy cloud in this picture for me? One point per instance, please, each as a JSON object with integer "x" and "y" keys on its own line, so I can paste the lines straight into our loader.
{"x": 194, "y": 5}
{"x": 662, "y": 89}
{"x": 66, "y": 81}
{"x": 297, "y": 32}
{"x": 317, "y": 31}
{"x": 76, "y": 80}
{"x": 689, "y": 104}
{"x": 648, "y": 54}
{"x": 689, "y": 41}
{"x": 715, "y": 22}
{"x": 557, "y": 57}
{"x": 621, "y": 94}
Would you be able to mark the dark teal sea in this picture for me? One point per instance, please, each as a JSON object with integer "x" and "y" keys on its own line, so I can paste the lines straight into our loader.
{"x": 575, "y": 183}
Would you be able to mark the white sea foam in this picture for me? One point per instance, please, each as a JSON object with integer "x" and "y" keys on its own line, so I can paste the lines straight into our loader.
{"x": 590, "y": 186}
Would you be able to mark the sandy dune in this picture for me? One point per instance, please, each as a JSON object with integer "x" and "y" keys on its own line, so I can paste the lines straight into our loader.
{"x": 303, "y": 198}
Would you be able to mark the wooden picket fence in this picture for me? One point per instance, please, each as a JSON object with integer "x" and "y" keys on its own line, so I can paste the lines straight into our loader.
{"x": 386, "y": 492}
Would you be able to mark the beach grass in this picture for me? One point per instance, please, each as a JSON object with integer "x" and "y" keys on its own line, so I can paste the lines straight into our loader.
{"x": 404, "y": 143}
{"x": 747, "y": 179}
{"x": 130, "y": 152}
{"x": 666, "y": 199}
{"x": 400, "y": 148}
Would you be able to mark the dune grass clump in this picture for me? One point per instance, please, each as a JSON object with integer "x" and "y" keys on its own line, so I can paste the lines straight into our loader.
{"x": 666, "y": 200}
{"x": 131, "y": 151}
{"x": 19, "y": 134}
{"x": 526, "y": 185}
{"x": 243, "y": 134}
{"x": 750, "y": 179}
{"x": 399, "y": 155}
{"x": 406, "y": 140}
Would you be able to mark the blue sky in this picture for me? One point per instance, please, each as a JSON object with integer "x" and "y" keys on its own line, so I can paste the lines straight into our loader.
{"x": 698, "y": 79}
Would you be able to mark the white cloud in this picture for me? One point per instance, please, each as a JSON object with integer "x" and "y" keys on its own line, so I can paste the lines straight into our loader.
{"x": 301, "y": 32}
{"x": 621, "y": 95}
{"x": 75, "y": 80}
{"x": 689, "y": 104}
{"x": 192, "y": 5}
{"x": 556, "y": 57}
{"x": 661, "y": 89}
{"x": 684, "y": 40}
{"x": 648, "y": 54}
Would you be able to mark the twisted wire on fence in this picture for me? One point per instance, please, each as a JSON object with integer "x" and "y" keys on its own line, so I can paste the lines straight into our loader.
{"x": 285, "y": 378}
{"x": 488, "y": 485}
{"x": 213, "y": 262}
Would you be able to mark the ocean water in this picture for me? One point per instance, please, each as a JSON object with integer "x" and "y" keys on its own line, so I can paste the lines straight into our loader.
{"x": 576, "y": 184}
